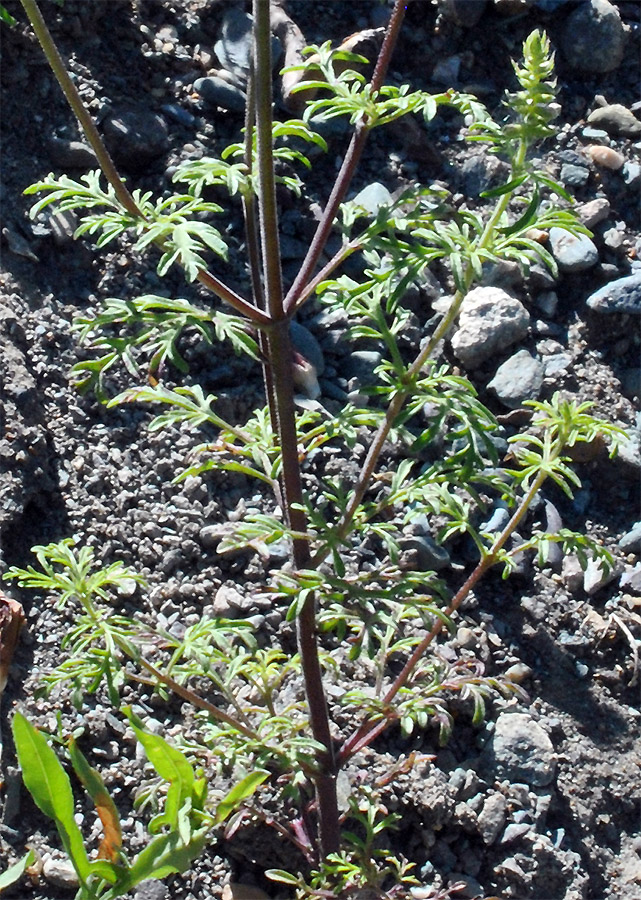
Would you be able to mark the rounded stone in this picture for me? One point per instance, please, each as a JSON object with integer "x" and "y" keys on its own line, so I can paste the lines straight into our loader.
{"x": 594, "y": 37}
{"x": 573, "y": 253}
{"x": 623, "y": 295}
{"x": 520, "y": 750}
{"x": 518, "y": 379}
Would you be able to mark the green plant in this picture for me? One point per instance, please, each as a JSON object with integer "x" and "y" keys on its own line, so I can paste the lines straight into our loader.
{"x": 387, "y": 616}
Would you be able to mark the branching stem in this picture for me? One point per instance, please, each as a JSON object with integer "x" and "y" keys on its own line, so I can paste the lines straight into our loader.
{"x": 350, "y": 162}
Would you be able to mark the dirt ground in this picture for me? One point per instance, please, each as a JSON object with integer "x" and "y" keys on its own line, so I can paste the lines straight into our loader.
{"x": 69, "y": 466}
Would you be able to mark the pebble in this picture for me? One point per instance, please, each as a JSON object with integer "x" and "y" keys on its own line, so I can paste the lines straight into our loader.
{"x": 18, "y": 245}
{"x": 631, "y": 579}
{"x": 135, "y": 137}
{"x": 234, "y": 49}
{"x": 514, "y": 831}
{"x": 490, "y": 320}
{"x": 574, "y": 176}
{"x": 72, "y": 154}
{"x": 491, "y": 818}
{"x": 616, "y": 119}
{"x": 307, "y": 345}
{"x": 595, "y": 134}
{"x": 60, "y": 873}
{"x": 519, "y": 378}
{"x": 228, "y": 602}
{"x": 360, "y": 364}
{"x": 572, "y": 573}
{"x": 520, "y": 750}
{"x": 631, "y": 540}
{"x": 594, "y": 38}
{"x": 573, "y": 253}
{"x": 151, "y": 890}
{"x": 595, "y": 577}
{"x": 593, "y": 212}
{"x": 221, "y": 94}
{"x": 548, "y": 302}
{"x": 63, "y": 226}
{"x": 179, "y": 114}
{"x": 556, "y": 364}
{"x": 464, "y": 12}
{"x": 430, "y": 557}
{"x": 631, "y": 173}
{"x": 620, "y": 296}
{"x": 605, "y": 156}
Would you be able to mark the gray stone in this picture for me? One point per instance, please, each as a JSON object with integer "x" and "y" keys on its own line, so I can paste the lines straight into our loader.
{"x": 631, "y": 540}
{"x": 519, "y": 378}
{"x": 573, "y": 253}
{"x": 596, "y": 576}
{"x": 520, "y": 750}
{"x": 556, "y": 364}
{"x": 135, "y": 137}
{"x": 306, "y": 344}
{"x": 60, "y": 873}
{"x": 594, "y": 211}
{"x": 72, "y": 154}
{"x": 631, "y": 173}
{"x": 593, "y": 39}
{"x": 631, "y": 579}
{"x": 478, "y": 172}
{"x": 574, "y": 176}
{"x": 490, "y": 320}
{"x": 514, "y": 831}
{"x": 464, "y": 12}
{"x": 547, "y": 302}
{"x": 616, "y": 119}
{"x": 361, "y": 364}
{"x": 430, "y": 557}
{"x": 491, "y": 819}
{"x": 216, "y": 92}
{"x": 631, "y": 383}
{"x": 620, "y": 296}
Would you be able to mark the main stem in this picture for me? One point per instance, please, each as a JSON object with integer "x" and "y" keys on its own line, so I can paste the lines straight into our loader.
{"x": 281, "y": 366}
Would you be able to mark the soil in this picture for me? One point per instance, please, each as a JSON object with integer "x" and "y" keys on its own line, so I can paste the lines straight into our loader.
{"x": 70, "y": 466}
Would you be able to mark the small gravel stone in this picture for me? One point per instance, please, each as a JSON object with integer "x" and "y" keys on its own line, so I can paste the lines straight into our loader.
{"x": 520, "y": 750}
{"x": 631, "y": 579}
{"x": 490, "y": 320}
{"x": 464, "y": 12}
{"x": 430, "y": 557}
{"x": 135, "y": 137}
{"x": 72, "y": 154}
{"x": 60, "y": 873}
{"x": 491, "y": 819}
{"x": 620, "y": 296}
{"x": 632, "y": 173}
{"x": 594, "y": 38}
{"x": 616, "y": 119}
{"x": 594, "y": 211}
{"x": 596, "y": 577}
{"x": 519, "y": 378}
{"x": 606, "y": 157}
{"x": 631, "y": 540}
{"x": 573, "y": 253}
{"x": 307, "y": 345}
{"x": 514, "y": 831}
{"x": 574, "y": 176}
{"x": 221, "y": 94}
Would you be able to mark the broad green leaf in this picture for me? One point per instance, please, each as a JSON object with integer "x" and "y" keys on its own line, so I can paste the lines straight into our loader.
{"x": 240, "y": 792}
{"x": 15, "y": 872}
{"x": 166, "y": 855}
{"x": 49, "y": 785}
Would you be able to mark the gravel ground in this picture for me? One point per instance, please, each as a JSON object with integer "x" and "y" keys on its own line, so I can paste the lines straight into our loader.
{"x": 543, "y": 801}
